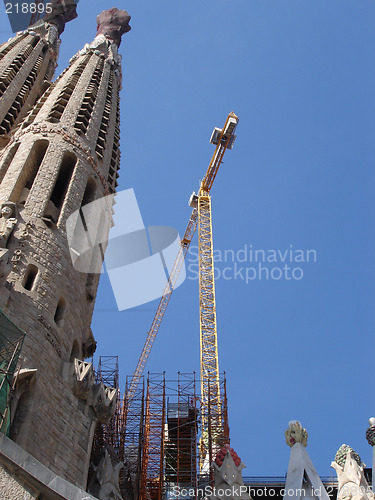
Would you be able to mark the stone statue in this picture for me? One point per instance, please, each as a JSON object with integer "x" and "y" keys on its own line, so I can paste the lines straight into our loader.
{"x": 63, "y": 11}
{"x": 8, "y": 221}
{"x": 228, "y": 476}
{"x": 352, "y": 484}
{"x": 113, "y": 23}
{"x": 295, "y": 433}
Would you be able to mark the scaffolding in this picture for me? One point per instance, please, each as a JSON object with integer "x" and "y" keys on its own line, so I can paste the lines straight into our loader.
{"x": 11, "y": 340}
{"x": 182, "y": 431}
{"x": 107, "y": 436}
{"x": 156, "y": 434}
{"x": 108, "y": 371}
{"x": 131, "y": 425}
{"x": 160, "y": 436}
{"x": 152, "y": 477}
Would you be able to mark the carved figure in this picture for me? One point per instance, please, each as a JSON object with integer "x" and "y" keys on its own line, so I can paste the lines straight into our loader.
{"x": 107, "y": 475}
{"x": 8, "y": 222}
{"x": 352, "y": 484}
{"x": 296, "y": 434}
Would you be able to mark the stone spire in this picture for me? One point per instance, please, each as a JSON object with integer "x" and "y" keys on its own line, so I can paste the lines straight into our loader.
{"x": 62, "y": 12}
{"x": 302, "y": 482}
{"x": 27, "y": 65}
{"x": 64, "y": 156}
{"x": 113, "y": 23}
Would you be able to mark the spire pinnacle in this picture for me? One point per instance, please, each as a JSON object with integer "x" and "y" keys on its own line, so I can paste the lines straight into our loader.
{"x": 113, "y": 23}
{"x": 62, "y": 12}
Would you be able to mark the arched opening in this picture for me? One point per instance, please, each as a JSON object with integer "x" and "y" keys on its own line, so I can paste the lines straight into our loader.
{"x": 8, "y": 160}
{"x": 60, "y": 311}
{"x": 89, "y": 194}
{"x": 61, "y": 186}
{"x": 97, "y": 256}
{"x": 30, "y": 276}
{"x": 75, "y": 353}
{"x": 29, "y": 172}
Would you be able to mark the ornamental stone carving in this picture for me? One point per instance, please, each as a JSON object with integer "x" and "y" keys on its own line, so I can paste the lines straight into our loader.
{"x": 104, "y": 399}
{"x": 83, "y": 379}
{"x": 229, "y": 484}
{"x": 8, "y": 221}
{"x": 352, "y": 484}
{"x": 370, "y": 432}
{"x": 296, "y": 434}
{"x": 107, "y": 476}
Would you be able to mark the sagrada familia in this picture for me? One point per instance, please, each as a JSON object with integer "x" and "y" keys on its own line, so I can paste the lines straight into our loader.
{"x": 59, "y": 151}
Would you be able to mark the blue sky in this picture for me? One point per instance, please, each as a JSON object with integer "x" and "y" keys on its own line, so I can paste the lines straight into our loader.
{"x": 300, "y": 75}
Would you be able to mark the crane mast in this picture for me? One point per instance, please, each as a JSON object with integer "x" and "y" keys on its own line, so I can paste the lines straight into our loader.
{"x": 201, "y": 216}
{"x": 211, "y": 405}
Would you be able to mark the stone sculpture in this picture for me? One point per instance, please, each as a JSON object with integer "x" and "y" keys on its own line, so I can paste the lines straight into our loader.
{"x": 370, "y": 432}
{"x": 105, "y": 484}
{"x": 352, "y": 484}
{"x": 8, "y": 221}
{"x": 228, "y": 476}
{"x": 295, "y": 433}
{"x": 63, "y": 11}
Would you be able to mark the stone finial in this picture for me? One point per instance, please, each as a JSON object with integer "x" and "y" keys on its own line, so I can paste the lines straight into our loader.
{"x": 228, "y": 476}
{"x": 370, "y": 432}
{"x": 222, "y": 453}
{"x": 295, "y": 433}
{"x": 352, "y": 484}
{"x": 342, "y": 452}
{"x": 63, "y": 11}
{"x": 113, "y": 23}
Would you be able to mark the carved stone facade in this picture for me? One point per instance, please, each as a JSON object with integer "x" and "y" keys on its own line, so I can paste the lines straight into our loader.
{"x": 64, "y": 155}
{"x": 27, "y": 65}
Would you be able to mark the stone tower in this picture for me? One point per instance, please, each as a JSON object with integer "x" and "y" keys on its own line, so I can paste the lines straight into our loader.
{"x": 64, "y": 155}
{"x": 27, "y": 64}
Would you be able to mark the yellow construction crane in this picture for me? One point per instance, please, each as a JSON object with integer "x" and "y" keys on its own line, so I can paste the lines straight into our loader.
{"x": 201, "y": 216}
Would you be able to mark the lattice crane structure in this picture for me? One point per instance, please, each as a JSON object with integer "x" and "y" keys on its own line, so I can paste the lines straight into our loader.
{"x": 201, "y": 216}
